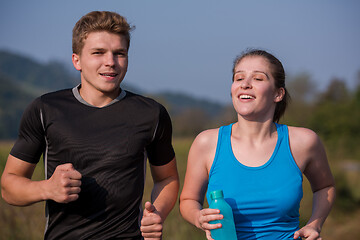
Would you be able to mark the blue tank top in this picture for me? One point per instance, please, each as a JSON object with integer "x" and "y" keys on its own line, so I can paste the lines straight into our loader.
{"x": 265, "y": 199}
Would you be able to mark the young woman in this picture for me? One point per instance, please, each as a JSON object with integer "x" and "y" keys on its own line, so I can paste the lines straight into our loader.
{"x": 258, "y": 163}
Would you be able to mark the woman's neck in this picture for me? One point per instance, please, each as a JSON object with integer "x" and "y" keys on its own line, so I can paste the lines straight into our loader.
{"x": 254, "y": 131}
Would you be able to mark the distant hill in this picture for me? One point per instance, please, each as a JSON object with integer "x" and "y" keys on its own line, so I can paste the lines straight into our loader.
{"x": 22, "y": 79}
{"x": 180, "y": 102}
{"x": 32, "y": 74}
{"x": 13, "y": 100}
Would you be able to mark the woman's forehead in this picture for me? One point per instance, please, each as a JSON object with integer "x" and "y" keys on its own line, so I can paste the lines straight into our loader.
{"x": 253, "y": 63}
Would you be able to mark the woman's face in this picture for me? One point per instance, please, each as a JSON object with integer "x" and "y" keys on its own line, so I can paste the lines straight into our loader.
{"x": 253, "y": 90}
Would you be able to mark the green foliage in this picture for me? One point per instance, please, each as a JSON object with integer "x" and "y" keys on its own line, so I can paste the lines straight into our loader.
{"x": 336, "y": 118}
{"x": 346, "y": 202}
{"x": 334, "y": 115}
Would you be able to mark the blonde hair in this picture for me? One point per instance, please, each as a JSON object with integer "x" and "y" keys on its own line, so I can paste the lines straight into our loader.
{"x": 99, "y": 21}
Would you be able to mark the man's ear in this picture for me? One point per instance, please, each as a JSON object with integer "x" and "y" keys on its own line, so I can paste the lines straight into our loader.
{"x": 76, "y": 61}
{"x": 280, "y": 93}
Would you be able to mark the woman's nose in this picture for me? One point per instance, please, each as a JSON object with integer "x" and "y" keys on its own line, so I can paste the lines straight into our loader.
{"x": 245, "y": 84}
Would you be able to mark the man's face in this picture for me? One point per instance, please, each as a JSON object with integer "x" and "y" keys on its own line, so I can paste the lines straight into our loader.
{"x": 103, "y": 62}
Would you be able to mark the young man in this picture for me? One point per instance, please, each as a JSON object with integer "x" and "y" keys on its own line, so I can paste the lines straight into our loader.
{"x": 95, "y": 139}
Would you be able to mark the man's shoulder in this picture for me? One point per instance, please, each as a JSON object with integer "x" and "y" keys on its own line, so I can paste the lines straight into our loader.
{"x": 49, "y": 97}
{"x": 142, "y": 100}
{"x": 56, "y": 94}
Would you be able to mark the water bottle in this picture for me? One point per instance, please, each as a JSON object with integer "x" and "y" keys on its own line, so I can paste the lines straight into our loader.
{"x": 227, "y": 231}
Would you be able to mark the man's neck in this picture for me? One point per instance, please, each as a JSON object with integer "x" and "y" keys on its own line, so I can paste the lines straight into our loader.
{"x": 97, "y": 98}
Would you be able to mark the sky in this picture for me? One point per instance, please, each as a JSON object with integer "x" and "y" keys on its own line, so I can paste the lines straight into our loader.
{"x": 189, "y": 45}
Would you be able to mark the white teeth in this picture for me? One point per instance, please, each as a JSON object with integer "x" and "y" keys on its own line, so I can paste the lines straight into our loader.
{"x": 109, "y": 74}
{"x": 246, "y": 97}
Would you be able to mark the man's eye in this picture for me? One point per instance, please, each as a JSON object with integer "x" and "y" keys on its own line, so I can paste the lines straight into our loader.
{"x": 121, "y": 54}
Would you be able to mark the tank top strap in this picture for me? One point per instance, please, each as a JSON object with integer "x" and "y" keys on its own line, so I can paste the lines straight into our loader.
{"x": 224, "y": 138}
{"x": 283, "y": 135}
{"x": 281, "y": 131}
{"x": 226, "y": 133}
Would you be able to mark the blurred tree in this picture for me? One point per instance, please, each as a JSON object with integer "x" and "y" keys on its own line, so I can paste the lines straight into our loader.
{"x": 302, "y": 90}
{"x": 336, "y": 92}
{"x": 190, "y": 122}
{"x": 336, "y": 118}
{"x": 226, "y": 116}
{"x": 357, "y": 81}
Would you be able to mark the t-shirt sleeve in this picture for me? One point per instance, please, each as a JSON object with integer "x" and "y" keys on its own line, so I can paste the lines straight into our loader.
{"x": 160, "y": 151}
{"x": 31, "y": 139}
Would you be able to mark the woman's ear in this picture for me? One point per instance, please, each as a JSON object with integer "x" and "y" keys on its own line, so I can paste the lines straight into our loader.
{"x": 279, "y": 95}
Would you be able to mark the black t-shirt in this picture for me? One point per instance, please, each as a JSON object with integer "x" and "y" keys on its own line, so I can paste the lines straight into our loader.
{"x": 108, "y": 146}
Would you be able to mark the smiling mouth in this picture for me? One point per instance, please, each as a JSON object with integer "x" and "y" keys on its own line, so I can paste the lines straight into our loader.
{"x": 109, "y": 74}
{"x": 244, "y": 96}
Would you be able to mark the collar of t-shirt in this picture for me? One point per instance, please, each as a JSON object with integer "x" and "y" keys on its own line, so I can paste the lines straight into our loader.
{"x": 77, "y": 95}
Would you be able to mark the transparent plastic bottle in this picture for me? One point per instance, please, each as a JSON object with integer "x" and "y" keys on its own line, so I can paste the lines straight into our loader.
{"x": 227, "y": 231}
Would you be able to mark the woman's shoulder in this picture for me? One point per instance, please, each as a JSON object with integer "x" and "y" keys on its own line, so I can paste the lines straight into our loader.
{"x": 303, "y": 136}
{"x": 207, "y": 138}
{"x": 304, "y": 144}
{"x": 202, "y": 151}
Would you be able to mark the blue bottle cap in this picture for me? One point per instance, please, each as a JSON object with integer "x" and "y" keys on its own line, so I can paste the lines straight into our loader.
{"x": 216, "y": 194}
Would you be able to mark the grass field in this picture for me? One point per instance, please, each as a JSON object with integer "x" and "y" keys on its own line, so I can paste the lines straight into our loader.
{"x": 27, "y": 223}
